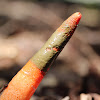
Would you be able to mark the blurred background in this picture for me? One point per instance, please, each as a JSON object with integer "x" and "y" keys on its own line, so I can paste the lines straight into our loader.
{"x": 25, "y": 25}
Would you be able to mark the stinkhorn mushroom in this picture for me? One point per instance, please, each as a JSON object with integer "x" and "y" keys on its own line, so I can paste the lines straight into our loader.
{"x": 26, "y": 81}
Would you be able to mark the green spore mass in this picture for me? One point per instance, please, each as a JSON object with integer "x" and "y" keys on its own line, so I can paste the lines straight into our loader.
{"x": 45, "y": 56}
{"x": 51, "y": 49}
